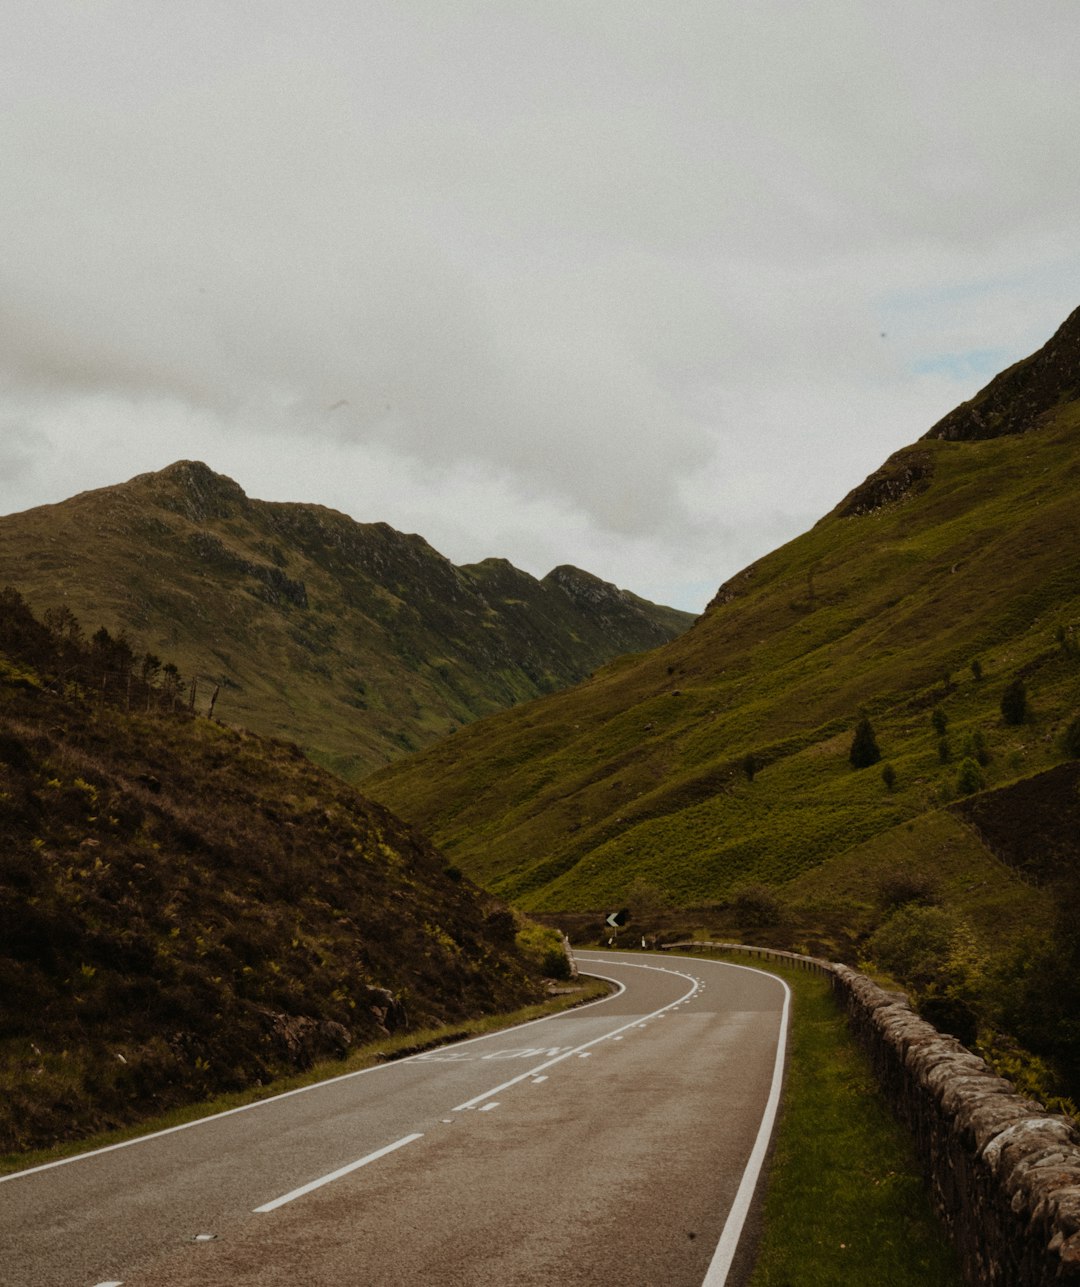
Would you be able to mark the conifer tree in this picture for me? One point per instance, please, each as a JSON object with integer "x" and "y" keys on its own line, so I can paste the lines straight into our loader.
{"x": 864, "y": 747}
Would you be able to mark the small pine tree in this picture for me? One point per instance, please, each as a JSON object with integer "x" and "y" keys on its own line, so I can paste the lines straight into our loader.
{"x": 976, "y": 669}
{"x": 940, "y": 721}
{"x": 749, "y": 767}
{"x": 888, "y": 776}
{"x": 864, "y": 748}
{"x": 969, "y": 778}
{"x": 1071, "y": 740}
{"x": 1014, "y": 702}
{"x": 944, "y": 750}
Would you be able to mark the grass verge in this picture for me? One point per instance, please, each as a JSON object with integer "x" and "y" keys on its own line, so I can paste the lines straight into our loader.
{"x": 846, "y": 1203}
{"x": 398, "y": 1046}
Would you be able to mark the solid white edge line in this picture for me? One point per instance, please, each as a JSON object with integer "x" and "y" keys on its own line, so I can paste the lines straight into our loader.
{"x": 299, "y": 1090}
{"x": 720, "y": 1265}
{"x": 479, "y": 1099}
{"x": 335, "y": 1175}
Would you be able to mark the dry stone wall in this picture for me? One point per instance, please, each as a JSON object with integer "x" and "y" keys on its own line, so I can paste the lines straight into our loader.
{"x": 1004, "y": 1173}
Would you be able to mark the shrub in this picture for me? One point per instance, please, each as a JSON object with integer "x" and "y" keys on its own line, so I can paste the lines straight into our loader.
{"x": 1014, "y": 702}
{"x": 1071, "y": 740}
{"x": 757, "y": 905}
{"x": 944, "y": 750}
{"x": 969, "y": 778}
{"x": 975, "y": 747}
{"x": 888, "y": 776}
{"x": 940, "y": 721}
{"x": 906, "y": 885}
{"x": 749, "y": 767}
{"x": 976, "y": 669}
{"x": 864, "y": 748}
{"x": 555, "y": 964}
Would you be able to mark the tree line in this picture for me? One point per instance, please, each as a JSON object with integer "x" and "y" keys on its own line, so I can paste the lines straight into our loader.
{"x": 103, "y": 667}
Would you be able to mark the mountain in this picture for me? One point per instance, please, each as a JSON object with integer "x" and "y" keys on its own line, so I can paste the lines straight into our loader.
{"x": 352, "y": 639}
{"x": 720, "y": 761}
{"x": 187, "y": 909}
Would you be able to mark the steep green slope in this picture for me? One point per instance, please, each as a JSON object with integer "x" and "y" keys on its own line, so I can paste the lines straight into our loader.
{"x": 352, "y": 639}
{"x": 722, "y": 757}
{"x": 186, "y": 909}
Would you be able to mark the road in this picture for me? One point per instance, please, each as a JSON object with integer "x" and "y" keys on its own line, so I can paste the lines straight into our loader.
{"x": 606, "y": 1144}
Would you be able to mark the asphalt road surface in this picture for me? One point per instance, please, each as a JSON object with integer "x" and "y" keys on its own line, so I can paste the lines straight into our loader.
{"x": 615, "y": 1143}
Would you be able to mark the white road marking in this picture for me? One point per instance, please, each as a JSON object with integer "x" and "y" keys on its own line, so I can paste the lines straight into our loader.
{"x": 495, "y": 1090}
{"x": 335, "y": 1175}
{"x": 488, "y": 1107}
{"x": 113, "y": 1282}
{"x": 287, "y": 1094}
{"x": 538, "y": 1080}
{"x": 720, "y": 1265}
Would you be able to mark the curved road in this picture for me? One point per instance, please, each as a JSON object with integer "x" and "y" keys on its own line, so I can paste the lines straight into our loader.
{"x": 607, "y": 1144}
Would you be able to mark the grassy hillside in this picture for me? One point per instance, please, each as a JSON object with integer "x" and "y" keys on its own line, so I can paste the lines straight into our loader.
{"x": 187, "y": 909}
{"x": 723, "y": 757}
{"x": 354, "y": 640}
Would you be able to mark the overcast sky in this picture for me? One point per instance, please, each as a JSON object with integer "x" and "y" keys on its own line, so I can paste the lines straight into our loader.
{"x": 643, "y": 287}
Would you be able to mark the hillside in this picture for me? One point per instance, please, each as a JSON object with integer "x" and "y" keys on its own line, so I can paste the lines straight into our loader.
{"x": 187, "y": 909}
{"x": 722, "y": 758}
{"x": 352, "y": 639}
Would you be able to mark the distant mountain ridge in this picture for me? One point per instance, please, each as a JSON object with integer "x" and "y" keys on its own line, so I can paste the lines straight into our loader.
{"x": 352, "y": 639}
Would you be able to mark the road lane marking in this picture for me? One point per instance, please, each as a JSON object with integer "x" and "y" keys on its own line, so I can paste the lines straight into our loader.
{"x": 113, "y": 1282}
{"x": 585, "y": 1046}
{"x": 299, "y": 1090}
{"x": 335, "y": 1175}
{"x": 488, "y": 1107}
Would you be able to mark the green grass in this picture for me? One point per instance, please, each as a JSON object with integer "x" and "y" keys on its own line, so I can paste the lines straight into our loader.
{"x": 563, "y": 804}
{"x": 398, "y": 1046}
{"x": 845, "y": 1204}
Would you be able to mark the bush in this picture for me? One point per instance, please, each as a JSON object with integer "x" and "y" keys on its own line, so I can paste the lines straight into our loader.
{"x": 969, "y": 778}
{"x": 1014, "y": 702}
{"x": 757, "y": 906}
{"x": 931, "y": 950}
{"x": 975, "y": 747}
{"x": 898, "y": 888}
{"x": 940, "y": 721}
{"x": 864, "y": 748}
{"x": 888, "y": 776}
{"x": 555, "y": 964}
{"x": 1071, "y": 740}
{"x": 944, "y": 750}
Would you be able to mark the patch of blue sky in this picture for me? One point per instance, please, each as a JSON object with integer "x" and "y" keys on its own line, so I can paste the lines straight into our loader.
{"x": 962, "y": 366}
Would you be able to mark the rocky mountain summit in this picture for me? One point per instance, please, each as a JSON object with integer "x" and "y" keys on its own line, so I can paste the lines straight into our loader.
{"x": 356, "y": 641}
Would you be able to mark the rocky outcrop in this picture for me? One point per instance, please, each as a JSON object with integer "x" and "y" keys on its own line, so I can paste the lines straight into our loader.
{"x": 906, "y": 473}
{"x": 1017, "y": 399}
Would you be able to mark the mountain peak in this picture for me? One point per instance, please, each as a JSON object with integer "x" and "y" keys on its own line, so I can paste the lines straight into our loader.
{"x": 1017, "y": 399}
{"x": 197, "y": 492}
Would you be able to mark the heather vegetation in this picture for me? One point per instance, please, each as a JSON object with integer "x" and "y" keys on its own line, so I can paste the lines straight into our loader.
{"x": 187, "y": 909}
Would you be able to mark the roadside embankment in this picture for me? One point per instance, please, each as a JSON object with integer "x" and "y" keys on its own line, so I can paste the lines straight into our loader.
{"x": 1004, "y": 1174}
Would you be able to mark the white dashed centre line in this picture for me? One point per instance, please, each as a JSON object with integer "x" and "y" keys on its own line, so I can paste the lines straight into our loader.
{"x": 486, "y": 1108}
{"x": 335, "y": 1175}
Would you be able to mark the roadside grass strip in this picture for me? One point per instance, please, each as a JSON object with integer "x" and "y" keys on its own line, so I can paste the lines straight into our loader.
{"x": 845, "y": 1203}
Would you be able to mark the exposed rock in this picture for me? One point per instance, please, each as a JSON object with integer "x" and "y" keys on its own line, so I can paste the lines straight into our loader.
{"x": 1016, "y": 400}
{"x": 906, "y": 473}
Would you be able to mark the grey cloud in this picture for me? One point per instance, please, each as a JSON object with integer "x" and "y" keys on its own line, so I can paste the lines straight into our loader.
{"x": 628, "y": 265}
